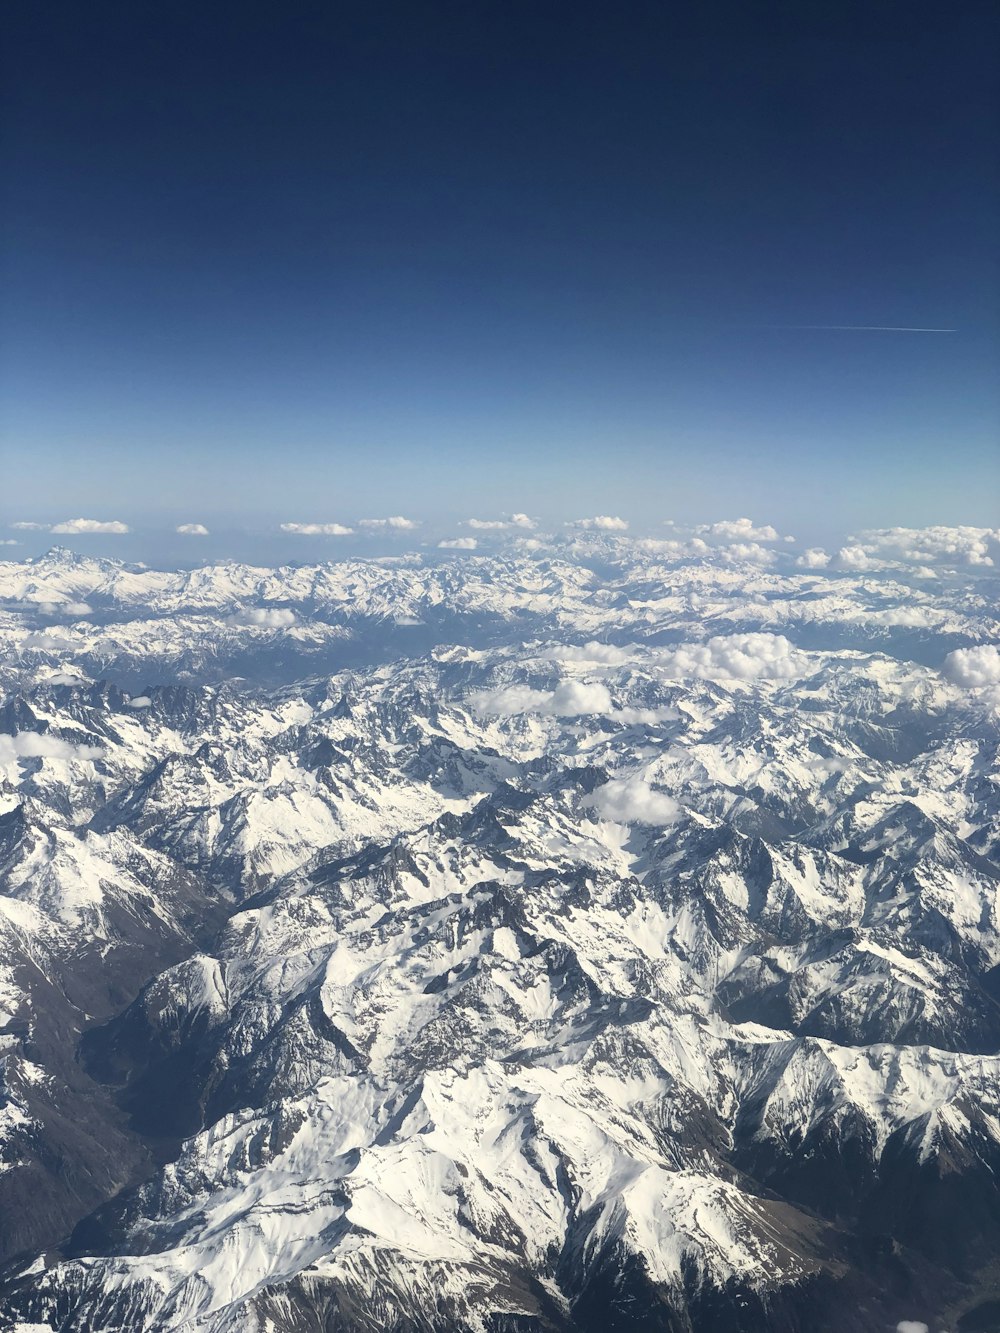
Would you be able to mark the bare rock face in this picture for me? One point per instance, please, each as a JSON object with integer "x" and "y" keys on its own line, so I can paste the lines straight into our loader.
{"x": 620, "y": 952}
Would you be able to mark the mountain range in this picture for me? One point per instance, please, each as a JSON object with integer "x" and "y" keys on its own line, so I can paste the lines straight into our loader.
{"x": 534, "y": 942}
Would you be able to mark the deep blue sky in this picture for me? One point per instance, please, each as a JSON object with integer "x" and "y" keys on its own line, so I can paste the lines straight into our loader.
{"x": 293, "y": 261}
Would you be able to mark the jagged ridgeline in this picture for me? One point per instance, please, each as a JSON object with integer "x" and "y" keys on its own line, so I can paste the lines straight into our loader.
{"x": 513, "y": 946}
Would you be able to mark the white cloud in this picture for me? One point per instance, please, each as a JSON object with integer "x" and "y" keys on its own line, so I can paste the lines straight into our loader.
{"x": 498, "y": 524}
{"x": 973, "y": 668}
{"x": 601, "y": 523}
{"x": 31, "y": 745}
{"x": 192, "y": 530}
{"x": 139, "y": 701}
{"x": 64, "y": 608}
{"x": 9, "y": 541}
{"x": 672, "y": 547}
{"x": 57, "y": 641}
{"x": 89, "y": 525}
{"x": 28, "y": 526}
{"x": 912, "y": 1326}
{"x": 263, "y": 618}
{"x": 63, "y": 678}
{"x": 575, "y": 697}
{"x": 738, "y": 657}
{"x": 959, "y": 545}
{"x": 824, "y": 767}
{"x": 590, "y": 652}
{"x": 645, "y": 716}
{"x": 396, "y": 521}
{"x": 317, "y": 529}
{"x": 854, "y": 558}
{"x": 736, "y": 541}
{"x": 814, "y": 558}
{"x": 633, "y": 801}
{"x": 910, "y": 617}
{"x": 751, "y": 552}
{"x": 458, "y": 544}
{"x": 739, "y": 530}
{"x": 511, "y": 701}
{"x": 572, "y": 698}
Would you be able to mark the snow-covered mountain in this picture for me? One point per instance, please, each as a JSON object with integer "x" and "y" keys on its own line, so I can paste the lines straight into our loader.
{"x": 553, "y": 941}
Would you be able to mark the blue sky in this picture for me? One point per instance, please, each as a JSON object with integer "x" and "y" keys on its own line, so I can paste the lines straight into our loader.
{"x": 315, "y": 261}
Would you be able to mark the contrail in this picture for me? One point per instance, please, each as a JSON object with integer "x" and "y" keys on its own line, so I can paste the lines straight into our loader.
{"x": 858, "y": 328}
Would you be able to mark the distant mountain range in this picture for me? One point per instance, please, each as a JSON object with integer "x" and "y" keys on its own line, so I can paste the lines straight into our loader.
{"x": 507, "y": 945}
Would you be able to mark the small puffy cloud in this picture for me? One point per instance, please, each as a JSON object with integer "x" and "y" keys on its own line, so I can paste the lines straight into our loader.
{"x": 572, "y": 698}
{"x": 739, "y": 530}
{"x": 750, "y": 552}
{"x": 55, "y": 641}
{"x": 909, "y": 617}
{"x": 645, "y": 716}
{"x": 27, "y": 526}
{"x": 854, "y": 558}
{"x": 63, "y": 678}
{"x": 511, "y": 701}
{"x": 9, "y": 541}
{"x": 192, "y": 530}
{"x": 824, "y": 767}
{"x": 317, "y": 529}
{"x": 139, "y": 701}
{"x": 672, "y": 548}
{"x": 973, "y": 668}
{"x": 814, "y": 558}
{"x": 31, "y": 745}
{"x": 601, "y": 523}
{"x": 260, "y": 617}
{"x": 912, "y": 1326}
{"x": 590, "y": 652}
{"x": 75, "y": 526}
{"x": 498, "y": 524}
{"x": 738, "y": 657}
{"x": 576, "y": 697}
{"x": 396, "y": 521}
{"x": 633, "y": 801}
{"x": 458, "y": 544}
{"x": 64, "y": 608}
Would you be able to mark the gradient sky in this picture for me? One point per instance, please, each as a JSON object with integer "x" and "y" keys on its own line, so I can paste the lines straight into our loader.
{"x": 301, "y": 262}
